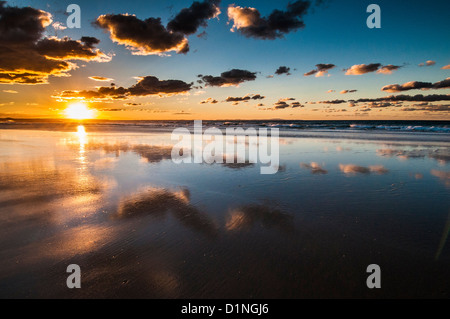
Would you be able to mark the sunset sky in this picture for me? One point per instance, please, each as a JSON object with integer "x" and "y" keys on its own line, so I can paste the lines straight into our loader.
{"x": 226, "y": 60}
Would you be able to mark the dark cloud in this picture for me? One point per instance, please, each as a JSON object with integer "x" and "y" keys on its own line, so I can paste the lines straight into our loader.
{"x": 142, "y": 37}
{"x": 428, "y": 108}
{"x": 190, "y": 19}
{"x": 248, "y": 21}
{"x": 348, "y": 91}
{"x": 321, "y": 69}
{"x": 393, "y": 100}
{"x": 26, "y": 57}
{"x": 229, "y": 78}
{"x": 248, "y": 97}
{"x": 22, "y": 25}
{"x": 408, "y": 98}
{"x": 132, "y": 104}
{"x": 148, "y": 85}
{"x": 333, "y": 102}
{"x": 415, "y": 85}
{"x": 258, "y": 97}
{"x": 283, "y": 104}
{"x": 209, "y": 100}
{"x": 283, "y": 70}
{"x": 67, "y": 49}
{"x": 150, "y": 36}
{"x": 359, "y": 69}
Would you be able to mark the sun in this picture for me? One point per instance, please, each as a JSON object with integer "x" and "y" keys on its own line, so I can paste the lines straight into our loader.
{"x": 79, "y": 111}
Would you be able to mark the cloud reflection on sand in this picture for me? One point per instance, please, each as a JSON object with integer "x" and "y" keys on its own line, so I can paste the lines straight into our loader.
{"x": 244, "y": 217}
{"x": 151, "y": 153}
{"x": 439, "y": 154}
{"x": 314, "y": 167}
{"x": 351, "y": 169}
{"x": 443, "y": 176}
{"x": 157, "y": 202}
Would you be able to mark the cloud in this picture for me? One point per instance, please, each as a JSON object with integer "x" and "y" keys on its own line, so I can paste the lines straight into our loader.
{"x": 148, "y": 85}
{"x": 296, "y": 104}
{"x": 359, "y": 69}
{"x": 188, "y": 20}
{"x": 408, "y": 98}
{"x": 388, "y": 69}
{"x": 149, "y": 36}
{"x": 248, "y": 21}
{"x": 331, "y": 91}
{"x": 10, "y": 91}
{"x": 283, "y": 70}
{"x": 378, "y": 104}
{"x": 233, "y": 77}
{"x": 428, "y": 108}
{"x": 132, "y": 104}
{"x": 100, "y": 78}
{"x": 67, "y": 49}
{"x": 447, "y": 67}
{"x": 321, "y": 70}
{"x": 26, "y": 57}
{"x": 58, "y": 26}
{"x": 209, "y": 100}
{"x": 142, "y": 37}
{"x": 428, "y": 63}
{"x": 351, "y": 169}
{"x": 333, "y": 102}
{"x": 246, "y": 98}
{"x": 415, "y": 85}
{"x": 282, "y": 104}
{"x": 348, "y": 91}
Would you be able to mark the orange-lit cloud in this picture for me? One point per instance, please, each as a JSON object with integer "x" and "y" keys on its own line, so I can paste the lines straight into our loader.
{"x": 359, "y": 69}
{"x": 100, "y": 78}
{"x": 248, "y": 21}
{"x": 428, "y": 63}
{"x": 28, "y": 58}
{"x": 415, "y": 85}
{"x": 148, "y": 85}
{"x": 233, "y": 77}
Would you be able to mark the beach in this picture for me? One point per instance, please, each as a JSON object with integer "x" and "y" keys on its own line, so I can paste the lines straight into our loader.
{"x": 109, "y": 198}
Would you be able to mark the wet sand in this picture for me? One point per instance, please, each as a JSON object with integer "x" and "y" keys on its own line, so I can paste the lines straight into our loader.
{"x": 140, "y": 226}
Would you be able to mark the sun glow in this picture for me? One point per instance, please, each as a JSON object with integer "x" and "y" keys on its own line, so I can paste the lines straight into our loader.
{"x": 79, "y": 111}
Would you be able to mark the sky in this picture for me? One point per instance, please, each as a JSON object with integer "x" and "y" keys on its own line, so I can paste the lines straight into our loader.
{"x": 219, "y": 60}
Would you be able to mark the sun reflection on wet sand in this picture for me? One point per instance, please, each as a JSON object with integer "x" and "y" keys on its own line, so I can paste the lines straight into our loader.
{"x": 82, "y": 140}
